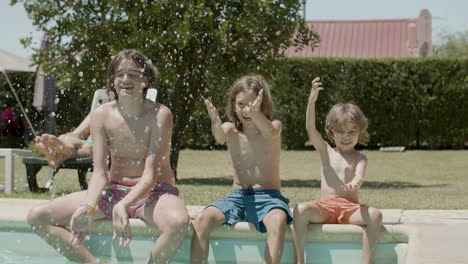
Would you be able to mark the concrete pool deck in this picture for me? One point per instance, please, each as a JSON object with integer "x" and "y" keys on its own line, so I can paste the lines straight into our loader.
{"x": 433, "y": 236}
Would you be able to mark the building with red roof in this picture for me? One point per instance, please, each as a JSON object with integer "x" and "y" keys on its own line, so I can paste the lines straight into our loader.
{"x": 389, "y": 38}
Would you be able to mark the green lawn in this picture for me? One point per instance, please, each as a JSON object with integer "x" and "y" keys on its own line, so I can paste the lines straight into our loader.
{"x": 407, "y": 180}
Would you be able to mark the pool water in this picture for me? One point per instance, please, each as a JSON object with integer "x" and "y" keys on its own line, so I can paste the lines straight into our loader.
{"x": 25, "y": 247}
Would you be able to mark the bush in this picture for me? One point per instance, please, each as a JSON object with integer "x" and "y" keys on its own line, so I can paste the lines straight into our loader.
{"x": 419, "y": 103}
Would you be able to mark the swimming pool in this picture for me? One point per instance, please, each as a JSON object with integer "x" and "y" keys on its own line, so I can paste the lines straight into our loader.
{"x": 25, "y": 247}
{"x": 239, "y": 244}
{"x": 408, "y": 236}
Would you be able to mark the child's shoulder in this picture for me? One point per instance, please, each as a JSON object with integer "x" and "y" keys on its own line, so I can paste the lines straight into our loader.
{"x": 104, "y": 108}
{"x": 156, "y": 108}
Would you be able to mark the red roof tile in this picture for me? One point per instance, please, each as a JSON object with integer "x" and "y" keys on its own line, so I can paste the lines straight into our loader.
{"x": 393, "y": 38}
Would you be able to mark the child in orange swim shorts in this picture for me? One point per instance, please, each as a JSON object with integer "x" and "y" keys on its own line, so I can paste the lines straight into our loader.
{"x": 337, "y": 210}
{"x": 343, "y": 171}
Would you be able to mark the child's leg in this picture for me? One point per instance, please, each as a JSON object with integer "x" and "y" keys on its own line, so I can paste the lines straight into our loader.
{"x": 210, "y": 218}
{"x": 83, "y": 150}
{"x": 275, "y": 223}
{"x": 304, "y": 214}
{"x": 372, "y": 218}
{"x": 171, "y": 217}
{"x": 49, "y": 219}
{"x": 58, "y": 149}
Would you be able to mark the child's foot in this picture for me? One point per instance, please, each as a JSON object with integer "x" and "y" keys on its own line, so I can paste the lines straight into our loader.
{"x": 54, "y": 149}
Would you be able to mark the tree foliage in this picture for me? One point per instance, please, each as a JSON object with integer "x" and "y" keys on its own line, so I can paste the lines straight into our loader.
{"x": 455, "y": 45}
{"x": 199, "y": 46}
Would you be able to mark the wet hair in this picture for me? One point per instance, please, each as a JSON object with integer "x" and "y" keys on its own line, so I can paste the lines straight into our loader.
{"x": 149, "y": 70}
{"x": 254, "y": 83}
{"x": 341, "y": 114}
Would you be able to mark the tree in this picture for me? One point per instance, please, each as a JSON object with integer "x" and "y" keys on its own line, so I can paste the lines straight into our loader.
{"x": 197, "y": 45}
{"x": 455, "y": 45}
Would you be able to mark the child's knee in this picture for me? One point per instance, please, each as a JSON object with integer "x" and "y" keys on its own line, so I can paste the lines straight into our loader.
{"x": 302, "y": 209}
{"x": 204, "y": 221}
{"x": 37, "y": 215}
{"x": 276, "y": 219}
{"x": 299, "y": 209}
{"x": 375, "y": 216}
{"x": 180, "y": 221}
{"x": 278, "y": 216}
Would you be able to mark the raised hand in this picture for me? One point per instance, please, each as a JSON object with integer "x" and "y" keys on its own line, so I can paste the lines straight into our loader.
{"x": 316, "y": 88}
{"x": 254, "y": 107}
{"x": 80, "y": 225}
{"x": 121, "y": 225}
{"x": 212, "y": 111}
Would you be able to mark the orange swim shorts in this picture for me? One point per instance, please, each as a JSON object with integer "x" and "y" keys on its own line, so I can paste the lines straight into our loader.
{"x": 337, "y": 210}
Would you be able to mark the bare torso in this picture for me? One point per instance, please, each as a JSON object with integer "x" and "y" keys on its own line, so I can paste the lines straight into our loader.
{"x": 128, "y": 146}
{"x": 337, "y": 170}
{"x": 255, "y": 160}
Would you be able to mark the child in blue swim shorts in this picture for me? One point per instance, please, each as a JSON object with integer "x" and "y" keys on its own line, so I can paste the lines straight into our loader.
{"x": 250, "y": 205}
{"x": 253, "y": 140}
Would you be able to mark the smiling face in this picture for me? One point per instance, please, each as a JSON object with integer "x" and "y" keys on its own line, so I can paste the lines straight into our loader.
{"x": 127, "y": 69}
{"x": 346, "y": 136}
{"x": 129, "y": 80}
{"x": 344, "y": 123}
{"x": 243, "y": 99}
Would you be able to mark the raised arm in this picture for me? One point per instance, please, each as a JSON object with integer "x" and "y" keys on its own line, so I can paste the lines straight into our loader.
{"x": 314, "y": 136}
{"x": 267, "y": 128}
{"x": 216, "y": 124}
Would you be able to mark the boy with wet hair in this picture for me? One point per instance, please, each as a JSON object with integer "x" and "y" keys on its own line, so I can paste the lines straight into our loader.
{"x": 136, "y": 134}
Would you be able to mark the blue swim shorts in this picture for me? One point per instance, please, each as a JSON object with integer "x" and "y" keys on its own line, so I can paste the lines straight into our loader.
{"x": 250, "y": 205}
{"x": 87, "y": 141}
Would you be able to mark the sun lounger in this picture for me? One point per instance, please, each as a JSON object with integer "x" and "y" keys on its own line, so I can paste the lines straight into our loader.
{"x": 34, "y": 165}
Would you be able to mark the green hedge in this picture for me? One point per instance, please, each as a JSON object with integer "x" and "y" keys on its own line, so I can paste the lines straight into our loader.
{"x": 418, "y": 103}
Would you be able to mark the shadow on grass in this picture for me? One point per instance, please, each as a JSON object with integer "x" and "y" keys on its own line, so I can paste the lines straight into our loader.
{"x": 205, "y": 181}
{"x": 221, "y": 181}
{"x": 399, "y": 185}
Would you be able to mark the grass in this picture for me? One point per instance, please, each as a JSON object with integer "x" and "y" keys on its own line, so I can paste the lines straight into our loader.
{"x": 405, "y": 180}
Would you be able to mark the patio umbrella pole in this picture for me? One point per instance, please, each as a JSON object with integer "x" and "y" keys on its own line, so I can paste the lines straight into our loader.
{"x": 19, "y": 103}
